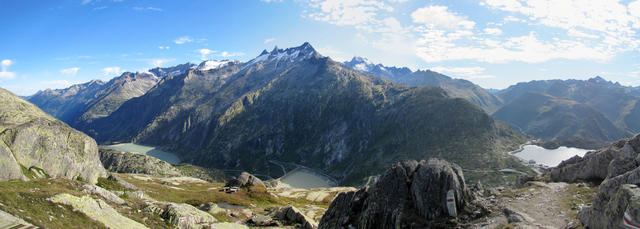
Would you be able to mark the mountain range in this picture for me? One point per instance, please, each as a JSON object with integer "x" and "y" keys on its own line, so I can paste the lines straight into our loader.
{"x": 458, "y": 88}
{"x": 594, "y": 110}
{"x": 299, "y": 107}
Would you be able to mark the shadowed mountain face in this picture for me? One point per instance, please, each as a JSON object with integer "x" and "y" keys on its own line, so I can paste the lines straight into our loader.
{"x": 593, "y": 109}
{"x": 457, "y": 88}
{"x": 296, "y": 106}
{"x": 557, "y": 119}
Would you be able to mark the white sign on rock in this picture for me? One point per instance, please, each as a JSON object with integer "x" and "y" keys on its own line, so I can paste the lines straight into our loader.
{"x": 451, "y": 203}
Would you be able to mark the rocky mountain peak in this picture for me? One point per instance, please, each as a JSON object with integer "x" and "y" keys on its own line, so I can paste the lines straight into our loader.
{"x": 215, "y": 64}
{"x": 293, "y": 54}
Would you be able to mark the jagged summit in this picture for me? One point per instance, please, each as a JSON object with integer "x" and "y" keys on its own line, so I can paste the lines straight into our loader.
{"x": 292, "y": 54}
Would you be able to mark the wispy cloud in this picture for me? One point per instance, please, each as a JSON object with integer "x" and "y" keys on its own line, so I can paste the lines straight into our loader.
{"x": 204, "y": 53}
{"x": 440, "y": 17}
{"x": 5, "y": 74}
{"x": 182, "y": 40}
{"x": 148, "y": 8}
{"x": 111, "y": 71}
{"x": 231, "y": 54}
{"x": 164, "y": 47}
{"x": 269, "y": 40}
{"x": 70, "y": 71}
{"x": 160, "y": 62}
{"x": 464, "y": 72}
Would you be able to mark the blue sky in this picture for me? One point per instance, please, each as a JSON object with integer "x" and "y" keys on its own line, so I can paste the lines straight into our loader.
{"x": 494, "y": 43}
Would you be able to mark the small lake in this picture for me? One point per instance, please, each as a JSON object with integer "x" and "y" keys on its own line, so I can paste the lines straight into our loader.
{"x": 549, "y": 157}
{"x": 301, "y": 178}
{"x": 147, "y": 150}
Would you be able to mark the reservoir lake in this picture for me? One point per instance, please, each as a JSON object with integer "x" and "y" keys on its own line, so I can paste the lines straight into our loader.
{"x": 147, "y": 150}
{"x": 549, "y": 157}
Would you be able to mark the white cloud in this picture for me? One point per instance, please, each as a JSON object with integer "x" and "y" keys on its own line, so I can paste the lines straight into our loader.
{"x": 70, "y": 71}
{"x": 160, "y": 62}
{"x": 397, "y": 1}
{"x": 149, "y": 8}
{"x": 440, "y": 17}
{"x": 55, "y": 84}
{"x": 436, "y": 47}
{"x": 183, "y": 40}
{"x": 205, "y": 52}
{"x": 359, "y": 13}
{"x": 335, "y": 54}
{"x": 611, "y": 20}
{"x": 5, "y": 74}
{"x": 228, "y": 54}
{"x": 269, "y": 40}
{"x": 492, "y": 31}
{"x": 111, "y": 71}
{"x": 84, "y": 2}
{"x": 164, "y": 47}
{"x": 468, "y": 73}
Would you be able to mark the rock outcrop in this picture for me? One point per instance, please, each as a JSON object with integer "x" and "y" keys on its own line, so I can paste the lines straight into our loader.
{"x": 33, "y": 140}
{"x": 187, "y": 216}
{"x": 618, "y": 167}
{"x": 291, "y": 215}
{"x": 130, "y": 162}
{"x": 410, "y": 194}
{"x": 611, "y": 213}
{"x": 97, "y": 210}
{"x": 106, "y": 194}
{"x": 245, "y": 180}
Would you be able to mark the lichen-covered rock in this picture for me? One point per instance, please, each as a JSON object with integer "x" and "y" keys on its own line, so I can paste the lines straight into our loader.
{"x": 33, "y": 139}
{"x": 130, "y": 162}
{"x": 610, "y": 214}
{"x": 409, "y": 194}
{"x": 212, "y": 208}
{"x": 227, "y": 225}
{"x": 97, "y": 210}
{"x": 245, "y": 180}
{"x": 187, "y": 216}
{"x": 122, "y": 182}
{"x": 106, "y": 194}
{"x": 291, "y": 215}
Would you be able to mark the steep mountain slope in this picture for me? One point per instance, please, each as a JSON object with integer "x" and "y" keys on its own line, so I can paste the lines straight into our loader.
{"x": 34, "y": 144}
{"x": 81, "y": 104}
{"x": 296, "y": 106}
{"x": 556, "y": 119}
{"x": 457, "y": 88}
{"x": 67, "y": 104}
{"x": 617, "y": 103}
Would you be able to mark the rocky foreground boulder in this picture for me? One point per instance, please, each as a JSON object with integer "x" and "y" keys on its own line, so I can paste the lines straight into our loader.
{"x": 129, "y": 162}
{"x": 34, "y": 144}
{"x": 410, "y": 194}
{"x": 618, "y": 167}
{"x": 245, "y": 180}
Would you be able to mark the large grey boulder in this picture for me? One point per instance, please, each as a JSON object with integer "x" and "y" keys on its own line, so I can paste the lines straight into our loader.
{"x": 34, "y": 140}
{"x": 130, "y": 162}
{"x": 409, "y": 194}
{"x": 97, "y": 210}
{"x": 291, "y": 215}
{"x": 611, "y": 213}
{"x": 187, "y": 216}
{"x": 245, "y": 180}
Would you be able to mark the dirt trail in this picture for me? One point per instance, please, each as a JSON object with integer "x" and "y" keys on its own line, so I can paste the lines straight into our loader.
{"x": 545, "y": 204}
{"x": 540, "y": 205}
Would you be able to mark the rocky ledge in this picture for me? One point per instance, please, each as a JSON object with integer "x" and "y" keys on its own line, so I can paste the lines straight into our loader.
{"x": 618, "y": 169}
